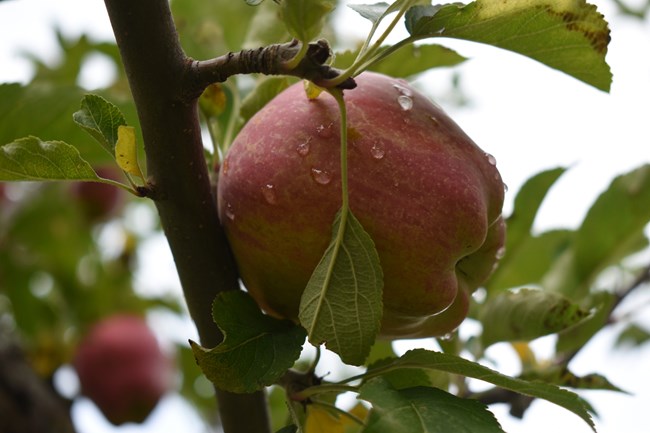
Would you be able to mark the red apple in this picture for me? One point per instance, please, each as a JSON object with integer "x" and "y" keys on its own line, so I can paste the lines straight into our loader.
{"x": 122, "y": 369}
{"x": 427, "y": 195}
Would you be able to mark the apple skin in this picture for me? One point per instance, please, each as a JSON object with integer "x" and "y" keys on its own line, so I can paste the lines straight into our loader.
{"x": 122, "y": 369}
{"x": 429, "y": 197}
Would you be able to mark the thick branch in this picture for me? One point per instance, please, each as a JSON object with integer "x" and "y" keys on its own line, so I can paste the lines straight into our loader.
{"x": 155, "y": 65}
{"x": 270, "y": 60}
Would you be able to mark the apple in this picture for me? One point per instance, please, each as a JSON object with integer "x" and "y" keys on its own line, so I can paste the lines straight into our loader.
{"x": 429, "y": 197}
{"x": 99, "y": 201}
{"x": 122, "y": 369}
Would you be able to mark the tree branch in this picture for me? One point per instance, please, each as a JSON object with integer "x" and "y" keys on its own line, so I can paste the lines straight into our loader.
{"x": 155, "y": 65}
{"x": 270, "y": 60}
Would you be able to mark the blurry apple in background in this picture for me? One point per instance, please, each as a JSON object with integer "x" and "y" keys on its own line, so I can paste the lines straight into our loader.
{"x": 99, "y": 201}
{"x": 122, "y": 369}
{"x": 427, "y": 195}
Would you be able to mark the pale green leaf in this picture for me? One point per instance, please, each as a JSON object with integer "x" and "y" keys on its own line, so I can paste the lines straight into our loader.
{"x": 341, "y": 305}
{"x": 528, "y": 262}
{"x": 527, "y": 314}
{"x": 266, "y": 89}
{"x": 30, "y": 159}
{"x": 423, "y": 410}
{"x": 101, "y": 120}
{"x": 257, "y": 349}
{"x": 372, "y": 12}
{"x": 305, "y": 18}
{"x": 424, "y": 359}
{"x": 612, "y": 230}
{"x": 613, "y": 227}
{"x": 571, "y": 36}
{"x": 407, "y": 61}
{"x": 527, "y": 203}
{"x": 600, "y": 304}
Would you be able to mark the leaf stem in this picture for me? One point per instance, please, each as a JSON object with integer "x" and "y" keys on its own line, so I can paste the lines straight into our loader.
{"x": 293, "y": 63}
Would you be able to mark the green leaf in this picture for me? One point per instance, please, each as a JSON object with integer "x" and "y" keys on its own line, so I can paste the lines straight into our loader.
{"x": 570, "y": 36}
{"x": 257, "y": 349}
{"x": 632, "y": 336}
{"x": 613, "y": 227}
{"x": 612, "y": 230}
{"x": 423, "y": 410}
{"x": 424, "y": 359}
{"x": 341, "y": 305}
{"x": 526, "y": 263}
{"x": 101, "y": 120}
{"x": 527, "y": 203}
{"x": 563, "y": 377}
{"x": 265, "y": 90}
{"x": 600, "y": 304}
{"x": 372, "y": 12}
{"x": 407, "y": 61}
{"x": 305, "y": 18}
{"x": 527, "y": 314}
{"x": 31, "y": 159}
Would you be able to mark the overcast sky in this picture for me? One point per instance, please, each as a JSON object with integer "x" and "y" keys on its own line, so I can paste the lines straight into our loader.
{"x": 528, "y": 116}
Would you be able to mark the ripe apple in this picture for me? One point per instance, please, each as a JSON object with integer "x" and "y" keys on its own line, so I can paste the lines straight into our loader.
{"x": 122, "y": 369}
{"x": 428, "y": 196}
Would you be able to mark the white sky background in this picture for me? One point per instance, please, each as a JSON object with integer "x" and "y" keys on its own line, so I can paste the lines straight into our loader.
{"x": 528, "y": 116}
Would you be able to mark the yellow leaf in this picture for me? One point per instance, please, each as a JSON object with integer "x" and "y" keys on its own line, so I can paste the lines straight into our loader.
{"x": 312, "y": 90}
{"x": 213, "y": 100}
{"x": 322, "y": 420}
{"x": 126, "y": 151}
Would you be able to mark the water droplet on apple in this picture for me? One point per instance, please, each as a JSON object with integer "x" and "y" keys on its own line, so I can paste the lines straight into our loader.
{"x": 304, "y": 147}
{"x": 377, "y": 151}
{"x": 434, "y": 121}
{"x": 324, "y": 131}
{"x": 268, "y": 191}
{"x": 322, "y": 177}
{"x": 405, "y": 102}
{"x": 500, "y": 253}
{"x": 230, "y": 214}
{"x": 491, "y": 159}
{"x": 403, "y": 90}
{"x": 447, "y": 337}
{"x": 505, "y": 187}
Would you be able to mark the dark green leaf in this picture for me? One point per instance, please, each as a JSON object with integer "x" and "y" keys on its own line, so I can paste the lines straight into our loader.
{"x": 527, "y": 314}
{"x": 257, "y": 349}
{"x": 423, "y": 359}
{"x": 100, "y": 119}
{"x": 30, "y": 158}
{"x": 569, "y": 36}
{"x": 423, "y": 410}
{"x": 288, "y": 429}
{"x": 341, "y": 305}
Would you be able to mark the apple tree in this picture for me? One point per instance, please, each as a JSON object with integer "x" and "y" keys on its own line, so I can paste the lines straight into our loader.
{"x": 311, "y": 197}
